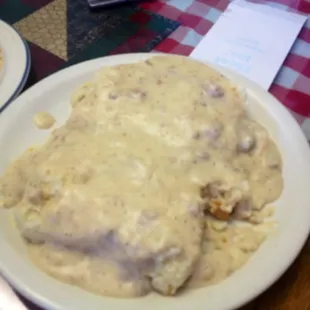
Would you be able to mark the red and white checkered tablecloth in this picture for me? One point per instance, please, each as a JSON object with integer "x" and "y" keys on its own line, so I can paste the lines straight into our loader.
{"x": 292, "y": 84}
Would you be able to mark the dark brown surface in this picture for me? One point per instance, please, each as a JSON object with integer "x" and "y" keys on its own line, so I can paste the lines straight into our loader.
{"x": 292, "y": 291}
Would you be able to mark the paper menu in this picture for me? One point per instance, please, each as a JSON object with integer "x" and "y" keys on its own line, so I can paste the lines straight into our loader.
{"x": 252, "y": 39}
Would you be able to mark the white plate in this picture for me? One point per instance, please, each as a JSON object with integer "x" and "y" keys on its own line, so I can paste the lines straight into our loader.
{"x": 17, "y": 61}
{"x": 268, "y": 263}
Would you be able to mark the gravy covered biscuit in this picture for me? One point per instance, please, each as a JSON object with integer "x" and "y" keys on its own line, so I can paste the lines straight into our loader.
{"x": 141, "y": 188}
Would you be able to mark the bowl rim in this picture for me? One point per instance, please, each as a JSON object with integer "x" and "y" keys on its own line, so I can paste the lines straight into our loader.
{"x": 300, "y": 234}
{"x": 25, "y": 64}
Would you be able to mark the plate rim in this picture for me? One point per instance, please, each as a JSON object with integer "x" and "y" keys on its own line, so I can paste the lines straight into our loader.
{"x": 26, "y": 72}
{"x": 49, "y": 304}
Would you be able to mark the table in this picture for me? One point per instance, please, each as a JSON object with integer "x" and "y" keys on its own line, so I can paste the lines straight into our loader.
{"x": 169, "y": 26}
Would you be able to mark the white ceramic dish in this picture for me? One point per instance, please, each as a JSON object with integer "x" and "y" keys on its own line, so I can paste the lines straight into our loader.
{"x": 269, "y": 262}
{"x": 17, "y": 61}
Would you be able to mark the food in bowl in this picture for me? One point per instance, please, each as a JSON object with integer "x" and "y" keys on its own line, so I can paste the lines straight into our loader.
{"x": 158, "y": 180}
{"x": 44, "y": 120}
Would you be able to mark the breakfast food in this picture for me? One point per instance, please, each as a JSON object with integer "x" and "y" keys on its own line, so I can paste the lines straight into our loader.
{"x": 141, "y": 188}
{"x": 44, "y": 120}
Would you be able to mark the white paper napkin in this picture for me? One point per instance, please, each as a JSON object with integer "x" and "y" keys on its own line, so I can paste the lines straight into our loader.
{"x": 252, "y": 39}
{"x": 8, "y": 299}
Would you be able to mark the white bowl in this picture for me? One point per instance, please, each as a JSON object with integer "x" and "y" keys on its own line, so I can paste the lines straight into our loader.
{"x": 17, "y": 132}
{"x": 17, "y": 63}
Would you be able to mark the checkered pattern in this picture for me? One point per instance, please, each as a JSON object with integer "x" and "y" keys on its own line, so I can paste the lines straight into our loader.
{"x": 292, "y": 84}
{"x": 61, "y": 33}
